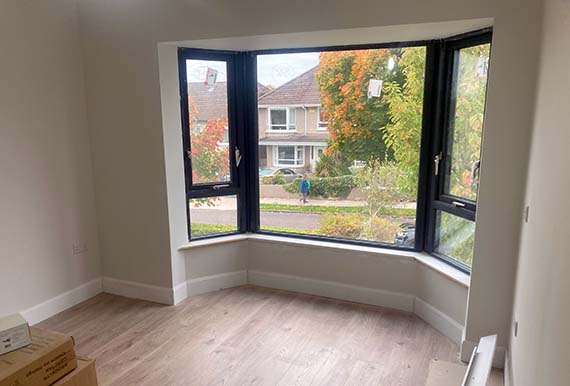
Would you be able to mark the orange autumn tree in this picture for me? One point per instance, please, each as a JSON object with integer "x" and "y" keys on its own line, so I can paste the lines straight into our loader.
{"x": 356, "y": 122}
{"x": 210, "y": 161}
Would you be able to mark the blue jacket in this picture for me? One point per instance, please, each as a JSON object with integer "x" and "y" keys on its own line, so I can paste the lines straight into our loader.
{"x": 304, "y": 186}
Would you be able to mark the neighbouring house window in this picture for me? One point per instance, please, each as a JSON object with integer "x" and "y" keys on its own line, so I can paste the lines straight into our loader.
{"x": 282, "y": 119}
{"x": 322, "y": 124}
{"x": 378, "y": 183}
{"x": 288, "y": 155}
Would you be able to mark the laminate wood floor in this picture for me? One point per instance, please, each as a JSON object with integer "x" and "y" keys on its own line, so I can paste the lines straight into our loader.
{"x": 252, "y": 336}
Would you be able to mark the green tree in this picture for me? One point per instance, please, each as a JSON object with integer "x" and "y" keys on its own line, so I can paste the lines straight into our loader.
{"x": 402, "y": 133}
{"x": 356, "y": 121}
{"x": 468, "y": 119}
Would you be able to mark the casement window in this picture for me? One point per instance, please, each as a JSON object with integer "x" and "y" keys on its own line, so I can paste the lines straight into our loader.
{"x": 457, "y": 150}
{"x": 322, "y": 124}
{"x": 212, "y": 150}
{"x": 288, "y": 155}
{"x": 282, "y": 119}
{"x": 410, "y": 186}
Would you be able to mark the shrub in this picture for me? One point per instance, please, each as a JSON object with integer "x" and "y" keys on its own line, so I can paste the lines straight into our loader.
{"x": 380, "y": 229}
{"x": 337, "y": 187}
{"x": 341, "y": 225}
{"x": 356, "y": 226}
{"x": 332, "y": 166}
{"x": 278, "y": 179}
{"x": 379, "y": 184}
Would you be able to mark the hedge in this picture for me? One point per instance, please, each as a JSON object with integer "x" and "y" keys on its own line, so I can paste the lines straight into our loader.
{"x": 325, "y": 187}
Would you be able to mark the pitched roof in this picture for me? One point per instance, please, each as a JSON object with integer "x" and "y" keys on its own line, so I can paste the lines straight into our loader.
{"x": 302, "y": 90}
{"x": 211, "y": 100}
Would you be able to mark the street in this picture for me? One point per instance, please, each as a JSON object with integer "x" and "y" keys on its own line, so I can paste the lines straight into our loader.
{"x": 268, "y": 219}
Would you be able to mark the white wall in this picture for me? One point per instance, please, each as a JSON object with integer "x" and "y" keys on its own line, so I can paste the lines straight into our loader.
{"x": 120, "y": 40}
{"x": 46, "y": 187}
{"x": 540, "y": 354}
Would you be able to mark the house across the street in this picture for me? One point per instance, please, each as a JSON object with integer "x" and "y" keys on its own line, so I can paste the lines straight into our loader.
{"x": 291, "y": 131}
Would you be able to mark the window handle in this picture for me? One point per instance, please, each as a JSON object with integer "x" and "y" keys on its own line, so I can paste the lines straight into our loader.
{"x": 436, "y": 162}
{"x": 238, "y": 156}
{"x": 475, "y": 171}
{"x": 218, "y": 187}
{"x": 458, "y": 204}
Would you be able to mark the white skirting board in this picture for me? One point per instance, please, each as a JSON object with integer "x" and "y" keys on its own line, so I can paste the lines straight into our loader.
{"x": 508, "y": 370}
{"x": 62, "y": 302}
{"x": 401, "y": 301}
{"x": 209, "y": 283}
{"x": 131, "y": 289}
{"x": 438, "y": 320}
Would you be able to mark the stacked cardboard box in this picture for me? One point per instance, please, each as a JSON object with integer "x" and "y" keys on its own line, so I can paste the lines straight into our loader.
{"x": 49, "y": 360}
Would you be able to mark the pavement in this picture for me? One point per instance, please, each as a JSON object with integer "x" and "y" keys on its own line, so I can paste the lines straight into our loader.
{"x": 295, "y": 220}
{"x": 225, "y": 212}
{"x": 230, "y": 202}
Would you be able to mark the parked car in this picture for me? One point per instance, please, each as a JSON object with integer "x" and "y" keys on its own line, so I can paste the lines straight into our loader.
{"x": 288, "y": 174}
{"x": 407, "y": 235}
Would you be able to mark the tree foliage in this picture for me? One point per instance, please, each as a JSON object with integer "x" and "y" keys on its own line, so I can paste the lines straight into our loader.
{"x": 355, "y": 121}
{"x": 468, "y": 120}
{"x": 332, "y": 165}
{"x": 402, "y": 133}
{"x": 209, "y": 159}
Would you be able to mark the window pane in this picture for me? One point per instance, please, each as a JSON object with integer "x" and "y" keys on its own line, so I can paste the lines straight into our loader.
{"x": 467, "y": 121}
{"x": 213, "y": 215}
{"x": 292, "y": 117}
{"x": 279, "y": 117}
{"x": 455, "y": 237}
{"x": 208, "y": 108}
{"x": 373, "y": 201}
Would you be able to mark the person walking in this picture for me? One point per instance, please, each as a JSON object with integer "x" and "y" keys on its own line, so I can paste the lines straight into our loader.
{"x": 304, "y": 187}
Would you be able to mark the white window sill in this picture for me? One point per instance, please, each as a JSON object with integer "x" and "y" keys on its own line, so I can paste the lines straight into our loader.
{"x": 425, "y": 259}
{"x": 214, "y": 241}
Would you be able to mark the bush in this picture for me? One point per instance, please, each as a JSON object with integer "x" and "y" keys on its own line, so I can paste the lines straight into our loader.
{"x": 277, "y": 179}
{"x": 341, "y": 225}
{"x": 336, "y": 187}
{"x": 380, "y": 229}
{"x": 355, "y": 226}
{"x": 332, "y": 166}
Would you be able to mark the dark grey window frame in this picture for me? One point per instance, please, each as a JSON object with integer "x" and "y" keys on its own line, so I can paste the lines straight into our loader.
{"x": 243, "y": 124}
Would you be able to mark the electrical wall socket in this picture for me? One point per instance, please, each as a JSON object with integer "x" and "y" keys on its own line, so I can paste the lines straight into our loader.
{"x": 79, "y": 248}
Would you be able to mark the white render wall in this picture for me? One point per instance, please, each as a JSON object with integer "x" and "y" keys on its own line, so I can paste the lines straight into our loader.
{"x": 540, "y": 353}
{"x": 47, "y": 199}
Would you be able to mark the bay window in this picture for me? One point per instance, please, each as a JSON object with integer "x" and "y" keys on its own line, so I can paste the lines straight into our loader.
{"x": 288, "y": 155}
{"x": 395, "y": 165}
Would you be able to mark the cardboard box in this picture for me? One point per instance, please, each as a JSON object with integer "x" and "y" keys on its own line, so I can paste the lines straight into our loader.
{"x": 50, "y": 356}
{"x": 83, "y": 375}
{"x": 14, "y": 333}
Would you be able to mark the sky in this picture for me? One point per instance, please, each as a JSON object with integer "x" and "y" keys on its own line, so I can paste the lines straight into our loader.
{"x": 272, "y": 70}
